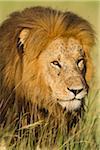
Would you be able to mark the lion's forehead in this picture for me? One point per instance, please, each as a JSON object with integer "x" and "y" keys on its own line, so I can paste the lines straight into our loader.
{"x": 73, "y": 45}
{"x": 69, "y": 47}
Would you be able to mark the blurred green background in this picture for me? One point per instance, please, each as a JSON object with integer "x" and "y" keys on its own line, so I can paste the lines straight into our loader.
{"x": 90, "y": 10}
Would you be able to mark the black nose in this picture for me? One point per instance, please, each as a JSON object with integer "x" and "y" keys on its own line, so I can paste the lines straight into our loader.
{"x": 75, "y": 91}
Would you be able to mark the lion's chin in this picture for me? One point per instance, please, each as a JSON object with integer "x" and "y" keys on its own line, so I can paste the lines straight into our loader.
{"x": 70, "y": 105}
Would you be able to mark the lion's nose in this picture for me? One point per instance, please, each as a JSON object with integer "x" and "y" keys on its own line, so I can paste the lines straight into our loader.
{"x": 75, "y": 91}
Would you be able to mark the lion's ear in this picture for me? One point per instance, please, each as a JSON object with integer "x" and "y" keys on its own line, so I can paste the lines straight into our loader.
{"x": 21, "y": 40}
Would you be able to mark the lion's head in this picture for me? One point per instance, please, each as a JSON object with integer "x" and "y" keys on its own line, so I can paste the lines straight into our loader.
{"x": 63, "y": 68}
{"x": 45, "y": 57}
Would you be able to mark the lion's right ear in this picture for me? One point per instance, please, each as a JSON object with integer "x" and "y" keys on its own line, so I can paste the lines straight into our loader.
{"x": 21, "y": 40}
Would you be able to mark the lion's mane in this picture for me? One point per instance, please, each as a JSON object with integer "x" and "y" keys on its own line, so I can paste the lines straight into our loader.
{"x": 46, "y": 24}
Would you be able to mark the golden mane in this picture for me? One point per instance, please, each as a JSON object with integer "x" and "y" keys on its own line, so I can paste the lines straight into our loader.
{"x": 45, "y": 25}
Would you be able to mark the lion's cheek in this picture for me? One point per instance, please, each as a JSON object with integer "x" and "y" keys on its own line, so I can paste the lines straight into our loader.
{"x": 58, "y": 88}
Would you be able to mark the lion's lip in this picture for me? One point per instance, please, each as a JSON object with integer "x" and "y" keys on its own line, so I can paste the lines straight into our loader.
{"x": 74, "y": 99}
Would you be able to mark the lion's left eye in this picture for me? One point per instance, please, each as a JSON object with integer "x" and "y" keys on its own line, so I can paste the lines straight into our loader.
{"x": 80, "y": 63}
{"x": 56, "y": 64}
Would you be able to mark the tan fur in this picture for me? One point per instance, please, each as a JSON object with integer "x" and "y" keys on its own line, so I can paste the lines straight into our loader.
{"x": 24, "y": 78}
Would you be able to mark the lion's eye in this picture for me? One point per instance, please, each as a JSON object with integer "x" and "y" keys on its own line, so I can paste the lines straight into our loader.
{"x": 80, "y": 63}
{"x": 56, "y": 64}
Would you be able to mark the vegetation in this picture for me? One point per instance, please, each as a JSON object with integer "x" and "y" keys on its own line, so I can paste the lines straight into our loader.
{"x": 82, "y": 139}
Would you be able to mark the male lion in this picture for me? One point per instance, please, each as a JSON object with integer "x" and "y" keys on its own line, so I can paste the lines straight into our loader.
{"x": 44, "y": 69}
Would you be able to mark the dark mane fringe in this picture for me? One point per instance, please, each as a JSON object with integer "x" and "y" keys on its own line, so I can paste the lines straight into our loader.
{"x": 46, "y": 24}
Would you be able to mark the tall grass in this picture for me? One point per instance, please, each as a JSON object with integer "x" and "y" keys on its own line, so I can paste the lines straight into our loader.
{"x": 82, "y": 139}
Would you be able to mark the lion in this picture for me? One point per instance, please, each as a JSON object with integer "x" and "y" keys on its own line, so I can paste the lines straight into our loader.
{"x": 45, "y": 68}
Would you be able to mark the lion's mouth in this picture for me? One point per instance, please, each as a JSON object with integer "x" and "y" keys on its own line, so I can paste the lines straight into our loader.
{"x": 69, "y": 100}
{"x": 71, "y": 104}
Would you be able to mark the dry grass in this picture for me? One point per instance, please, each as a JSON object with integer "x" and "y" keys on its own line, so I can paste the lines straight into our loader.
{"x": 83, "y": 139}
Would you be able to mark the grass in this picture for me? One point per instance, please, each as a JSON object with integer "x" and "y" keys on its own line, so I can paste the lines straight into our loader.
{"x": 82, "y": 139}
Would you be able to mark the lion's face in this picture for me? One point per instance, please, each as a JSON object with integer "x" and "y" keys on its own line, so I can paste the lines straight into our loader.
{"x": 63, "y": 67}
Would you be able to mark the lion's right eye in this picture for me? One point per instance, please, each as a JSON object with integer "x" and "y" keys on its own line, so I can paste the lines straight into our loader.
{"x": 56, "y": 64}
{"x": 81, "y": 64}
